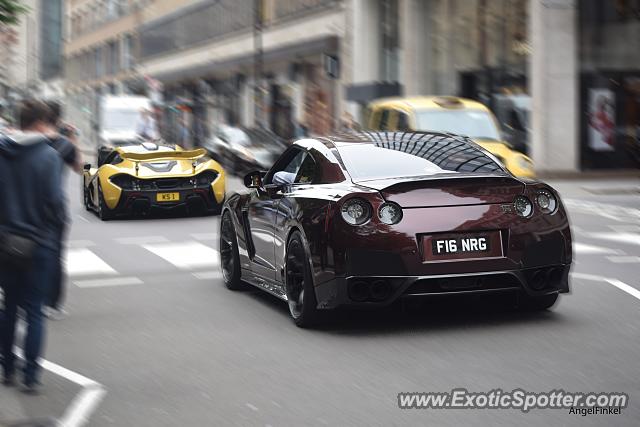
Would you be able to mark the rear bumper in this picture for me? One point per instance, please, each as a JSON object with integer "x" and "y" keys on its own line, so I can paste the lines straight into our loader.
{"x": 377, "y": 290}
{"x": 144, "y": 202}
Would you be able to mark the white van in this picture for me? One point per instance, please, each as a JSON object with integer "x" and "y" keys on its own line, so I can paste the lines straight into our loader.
{"x": 119, "y": 117}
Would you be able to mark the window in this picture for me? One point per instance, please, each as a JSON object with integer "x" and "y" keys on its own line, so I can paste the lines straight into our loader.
{"x": 403, "y": 121}
{"x": 127, "y": 49}
{"x": 307, "y": 171}
{"x": 289, "y": 163}
{"x": 384, "y": 120}
{"x": 472, "y": 123}
{"x": 397, "y": 156}
{"x": 99, "y": 62}
{"x": 114, "y": 59}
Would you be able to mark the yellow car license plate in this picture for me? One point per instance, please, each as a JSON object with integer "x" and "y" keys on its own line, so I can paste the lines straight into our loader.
{"x": 168, "y": 197}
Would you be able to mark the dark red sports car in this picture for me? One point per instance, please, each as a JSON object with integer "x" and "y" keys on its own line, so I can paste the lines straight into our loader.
{"x": 367, "y": 218}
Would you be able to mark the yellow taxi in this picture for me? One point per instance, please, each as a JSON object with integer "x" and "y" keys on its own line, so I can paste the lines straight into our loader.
{"x": 448, "y": 114}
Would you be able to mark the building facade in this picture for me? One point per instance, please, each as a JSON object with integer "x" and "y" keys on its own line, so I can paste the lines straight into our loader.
{"x": 561, "y": 74}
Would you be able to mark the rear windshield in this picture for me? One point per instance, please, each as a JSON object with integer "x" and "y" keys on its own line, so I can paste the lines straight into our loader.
{"x": 397, "y": 156}
{"x": 472, "y": 123}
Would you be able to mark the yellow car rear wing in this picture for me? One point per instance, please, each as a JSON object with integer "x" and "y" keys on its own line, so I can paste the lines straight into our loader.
{"x": 192, "y": 155}
{"x": 165, "y": 155}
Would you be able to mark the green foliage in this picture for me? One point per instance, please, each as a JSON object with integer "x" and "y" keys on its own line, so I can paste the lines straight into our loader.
{"x": 10, "y": 11}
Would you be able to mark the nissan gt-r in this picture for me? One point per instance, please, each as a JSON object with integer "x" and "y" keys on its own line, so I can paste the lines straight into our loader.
{"x": 140, "y": 178}
{"x": 365, "y": 219}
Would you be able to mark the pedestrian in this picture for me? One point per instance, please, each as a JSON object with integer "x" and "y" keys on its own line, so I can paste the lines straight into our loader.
{"x": 146, "y": 127}
{"x": 184, "y": 134}
{"x": 31, "y": 215}
{"x": 63, "y": 138}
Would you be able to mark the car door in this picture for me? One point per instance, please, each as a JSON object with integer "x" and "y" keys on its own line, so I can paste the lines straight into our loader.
{"x": 294, "y": 201}
{"x": 261, "y": 214}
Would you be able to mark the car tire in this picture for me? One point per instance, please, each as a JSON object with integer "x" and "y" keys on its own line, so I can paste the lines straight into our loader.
{"x": 85, "y": 197}
{"x": 537, "y": 303}
{"x": 229, "y": 255}
{"x": 104, "y": 213}
{"x": 299, "y": 288}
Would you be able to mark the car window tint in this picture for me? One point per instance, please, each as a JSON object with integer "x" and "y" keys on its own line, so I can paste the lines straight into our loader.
{"x": 307, "y": 171}
{"x": 295, "y": 163}
{"x": 384, "y": 120}
{"x": 394, "y": 155}
{"x": 403, "y": 121}
{"x": 472, "y": 123}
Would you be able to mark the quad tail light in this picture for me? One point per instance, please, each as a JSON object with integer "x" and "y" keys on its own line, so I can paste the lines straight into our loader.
{"x": 544, "y": 200}
{"x": 357, "y": 211}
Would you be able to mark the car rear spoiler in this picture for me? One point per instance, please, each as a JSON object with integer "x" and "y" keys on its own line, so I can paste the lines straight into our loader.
{"x": 165, "y": 155}
{"x": 192, "y": 155}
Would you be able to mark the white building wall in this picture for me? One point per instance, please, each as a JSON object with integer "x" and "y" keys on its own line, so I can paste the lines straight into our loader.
{"x": 554, "y": 85}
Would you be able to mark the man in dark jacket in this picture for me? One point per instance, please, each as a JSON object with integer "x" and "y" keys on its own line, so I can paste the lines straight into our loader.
{"x": 33, "y": 208}
{"x": 62, "y": 137}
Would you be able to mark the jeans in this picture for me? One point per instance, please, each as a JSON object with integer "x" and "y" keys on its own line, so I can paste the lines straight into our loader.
{"x": 27, "y": 289}
{"x": 56, "y": 291}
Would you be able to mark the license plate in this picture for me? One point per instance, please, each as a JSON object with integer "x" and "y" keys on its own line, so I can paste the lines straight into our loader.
{"x": 168, "y": 197}
{"x": 462, "y": 246}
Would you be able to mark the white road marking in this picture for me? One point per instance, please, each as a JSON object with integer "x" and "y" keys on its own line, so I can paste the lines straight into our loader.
{"x": 630, "y": 238}
{"x": 186, "y": 255}
{"x": 78, "y": 244}
{"x": 83, "y": 219}
{"x": 115, "y": 281}
{"x": 582, "y": 248}
{"x": 618, "y": 213}
{"x": 615, "y": 282}
{"x": 83, "y": 262}
{"x": 84, "y": 403}
{"x": 252, "y": 407}
{"x": 625, "y": 228}
{"x": 141, "y": 240}
{"x": 624, "y": 259}
{"x": 205, "y": 236}
{"x": 207, "y": 275}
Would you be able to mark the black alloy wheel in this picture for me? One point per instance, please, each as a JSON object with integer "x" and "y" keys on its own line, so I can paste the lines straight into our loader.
{"x": 104, "y": 212}
{"x": 298, "y": 284}
{"x": 85, "y": 197}
{"x": 229, "y": 256}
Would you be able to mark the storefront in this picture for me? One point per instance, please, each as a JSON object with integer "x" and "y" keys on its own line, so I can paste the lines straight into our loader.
{"x": 609, "y": 84}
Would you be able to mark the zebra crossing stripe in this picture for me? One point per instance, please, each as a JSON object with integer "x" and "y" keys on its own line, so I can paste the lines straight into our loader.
{"x": 186, "y": 255}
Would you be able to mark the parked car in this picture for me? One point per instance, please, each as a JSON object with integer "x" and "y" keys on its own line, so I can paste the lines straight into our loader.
{"x": 448, "y": 114}
{"x": 241, "y": 149}
{"x": 367, "y": 218}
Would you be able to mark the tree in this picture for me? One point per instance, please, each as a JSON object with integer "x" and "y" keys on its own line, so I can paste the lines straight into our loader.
{"x": 10, "y": 11}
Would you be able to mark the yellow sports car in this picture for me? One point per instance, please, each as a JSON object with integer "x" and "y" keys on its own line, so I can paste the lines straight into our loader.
{"x": 448, "y": 114}
{"x": 139, "y": 178}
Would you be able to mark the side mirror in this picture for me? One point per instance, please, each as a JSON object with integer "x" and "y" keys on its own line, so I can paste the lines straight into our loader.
{"x": 254, "y": 179}
{"x": 87, "y": 167}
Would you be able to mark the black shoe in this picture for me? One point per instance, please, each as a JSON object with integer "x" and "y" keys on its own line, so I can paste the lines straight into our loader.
{"x": 31, "y": 388}
{"x": 8, "y": 380}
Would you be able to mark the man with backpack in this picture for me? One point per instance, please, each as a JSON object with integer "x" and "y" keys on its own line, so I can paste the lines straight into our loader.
{"x": 31, "y": 213}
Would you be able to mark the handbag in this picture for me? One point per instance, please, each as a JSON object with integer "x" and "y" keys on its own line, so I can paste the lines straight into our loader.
{"x": 16, "y": 251}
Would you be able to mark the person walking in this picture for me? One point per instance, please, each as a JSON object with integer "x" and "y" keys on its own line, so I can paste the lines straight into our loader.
{"x": 63, "y": 138}
{"x": 31, "y": 215}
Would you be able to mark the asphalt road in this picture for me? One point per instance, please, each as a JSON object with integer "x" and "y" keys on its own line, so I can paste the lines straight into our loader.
{"x": 151, "y": 324}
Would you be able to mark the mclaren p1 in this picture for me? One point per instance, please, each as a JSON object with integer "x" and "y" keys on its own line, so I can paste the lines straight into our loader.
{"x": 140, "y": 178}
{"x": 368, "y": 218}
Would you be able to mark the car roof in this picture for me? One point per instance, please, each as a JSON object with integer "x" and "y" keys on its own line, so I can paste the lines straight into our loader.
{"x": 428, "y": 103}
{"x": 373, "y": 137}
